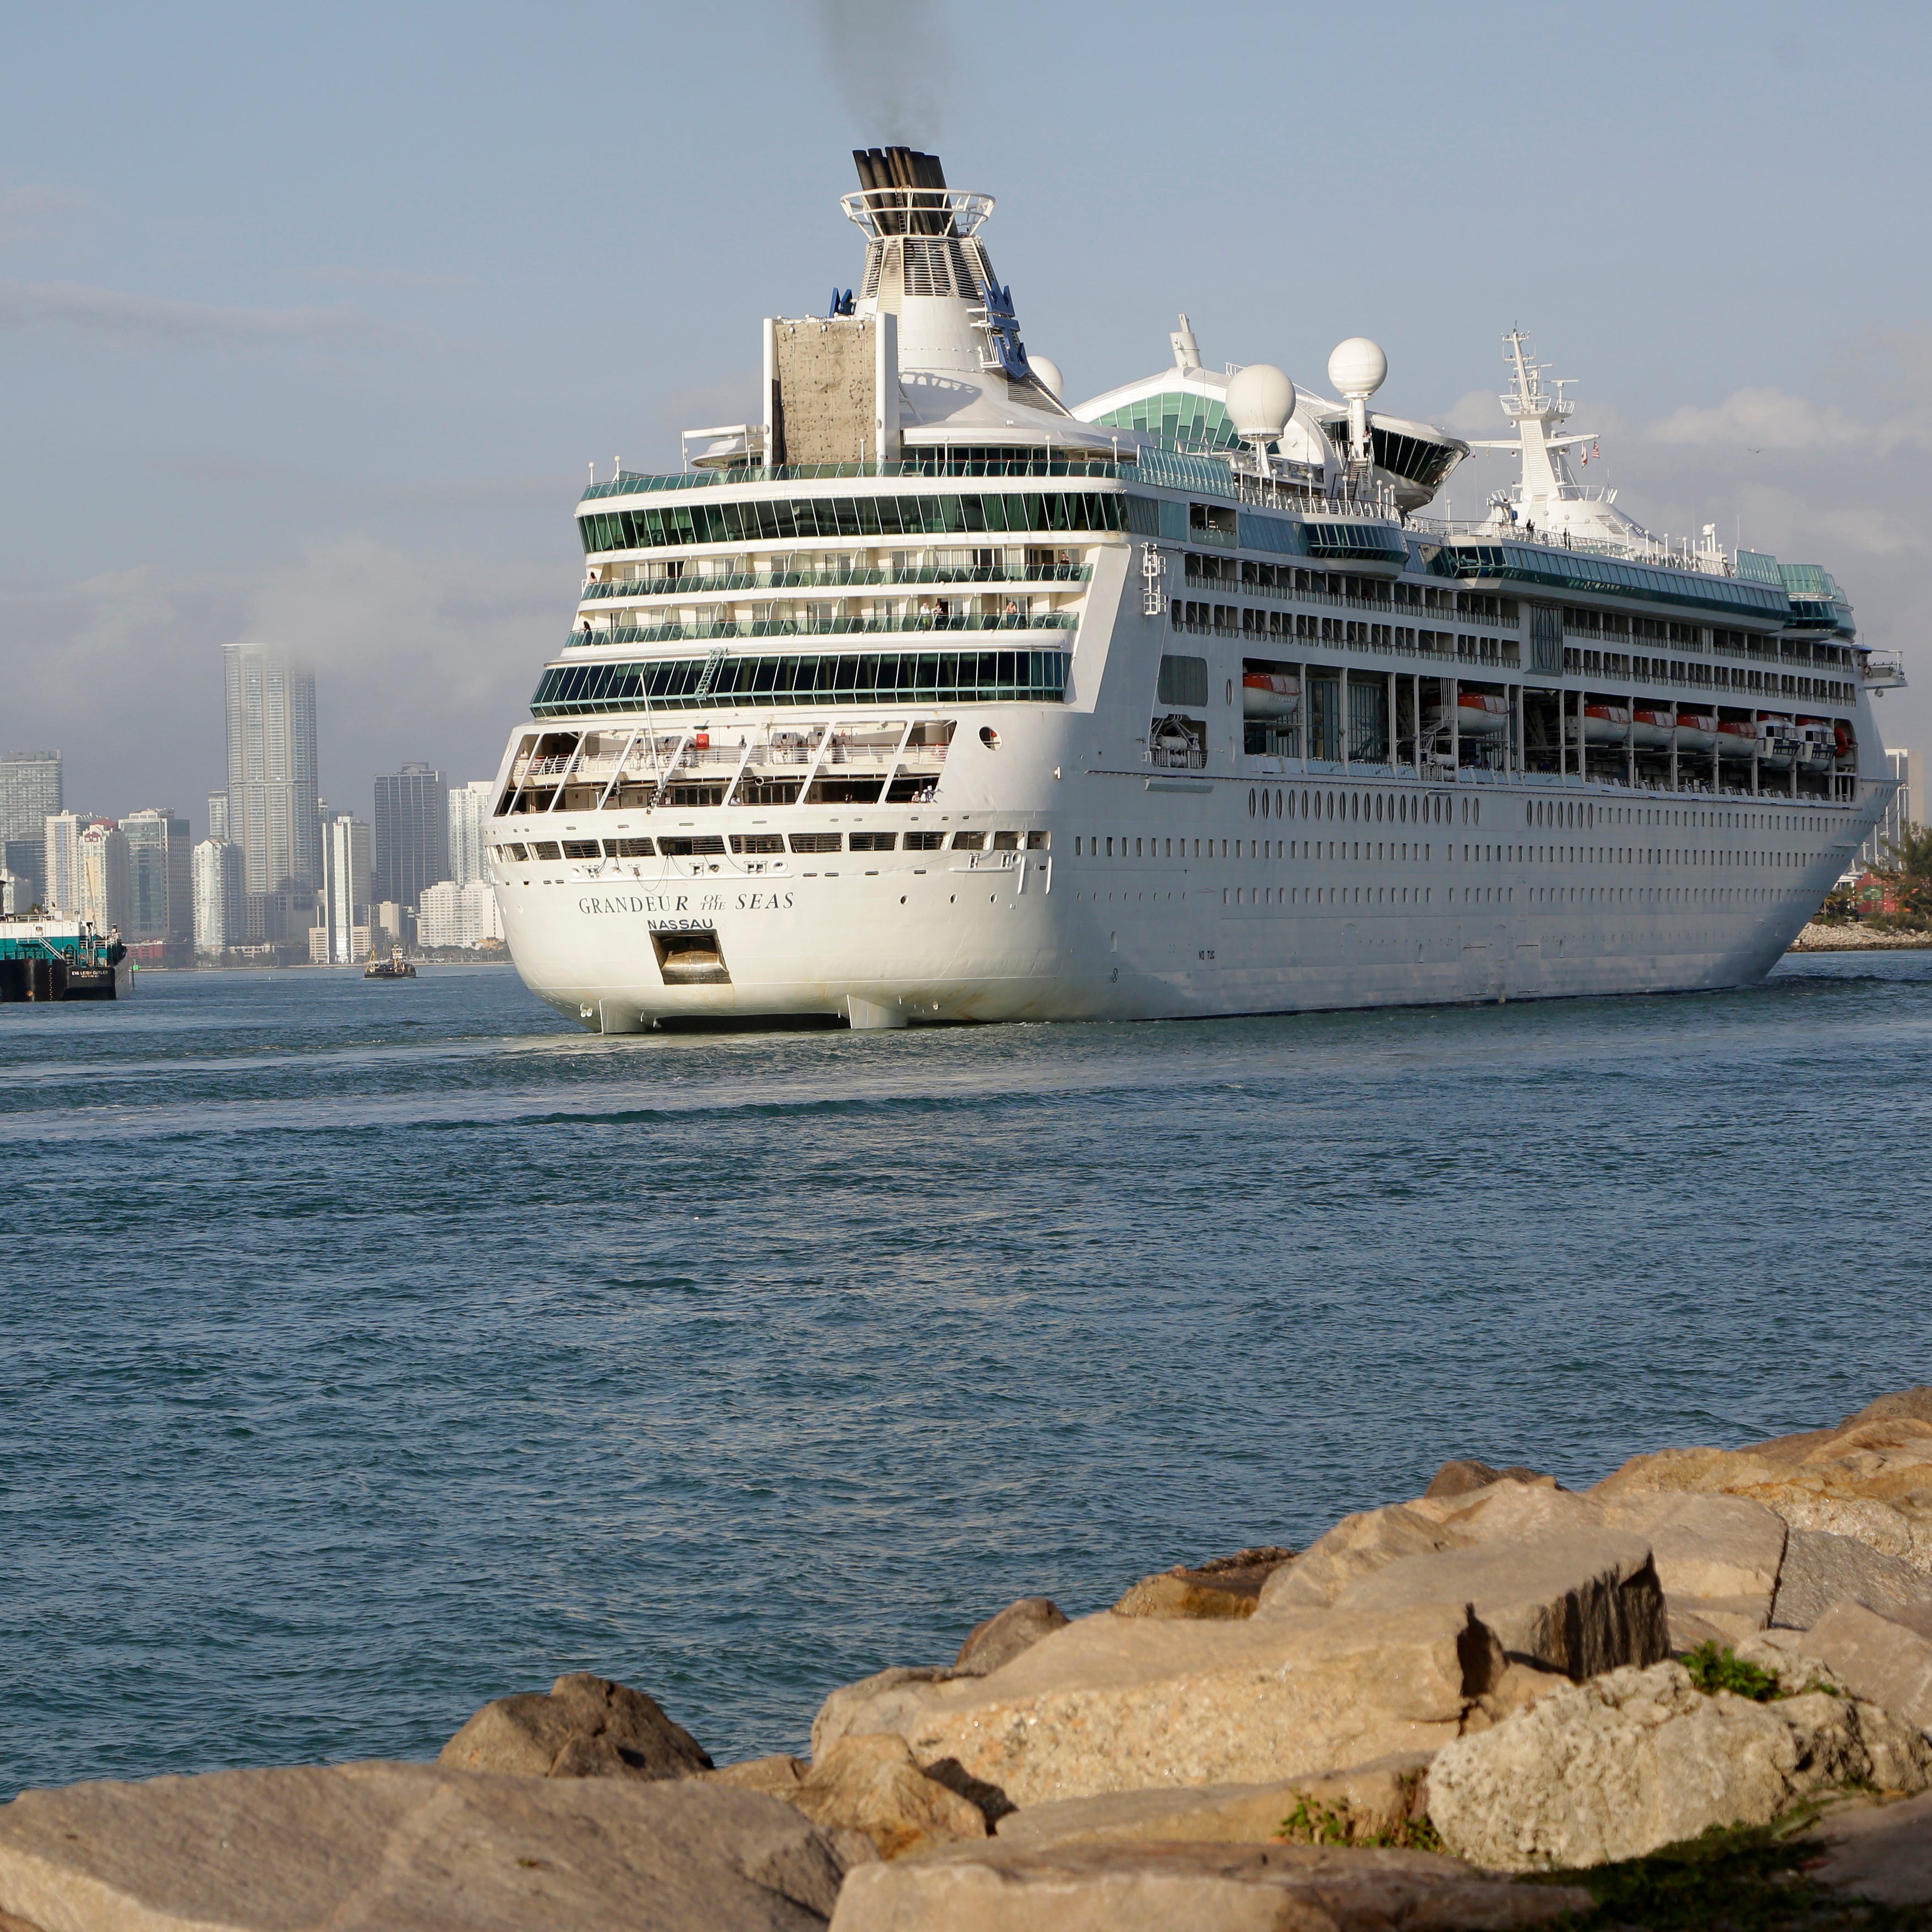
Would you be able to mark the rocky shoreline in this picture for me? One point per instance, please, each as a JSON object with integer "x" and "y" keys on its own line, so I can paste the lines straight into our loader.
{"x": 1446, "y": 1712}
{"x": 1816, "y": 938}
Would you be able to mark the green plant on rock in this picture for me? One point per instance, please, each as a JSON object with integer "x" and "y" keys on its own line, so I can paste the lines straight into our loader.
{"x": 1312, "y": 1822}
{"x": 1712, "y": 1670}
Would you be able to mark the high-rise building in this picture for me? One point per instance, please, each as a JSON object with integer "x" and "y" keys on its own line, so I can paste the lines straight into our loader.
{"x": 411, "y": 825}
{"x": 220, "y": 902}
{"x": 30, "y": 793}
{"x": 25, "y": 862}
{"x": 468, "y": 813}
{"x": 218, "y": 815}
{"x": 454, "y": 915}
{"x": 106, "y": 890}
{"x": 346, "y": 893}
{"x": 1907, "y": 804}
{"x": 60, "y": 863}
{"x": 159, "y": 861}
{"x": 271, "y": 775}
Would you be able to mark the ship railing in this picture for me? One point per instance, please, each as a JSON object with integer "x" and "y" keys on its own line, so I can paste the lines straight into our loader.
{"x": 1279, "y": 593}
{"x": 630, "y": 483}
{"x": 821, "y": 627}
{"x": 803, "y": 579}
{"x": 1882, "y": 670}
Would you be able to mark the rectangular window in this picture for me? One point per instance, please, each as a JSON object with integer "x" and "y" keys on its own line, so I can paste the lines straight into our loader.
{"x": 924, "y": 841}
{"x": 1183, "y": 680}
{"x": 873, "y": 841}
{"x": 1005, "y": 841}
{"x": 701, "y": 846}
{"x": 582, "y": 848}
{"x": 1040, "y": 842}
{"x": 817, "y": 842}
{"x": 546, "y": 848}
{"x": 629, "y": 848}
{"x": 755, "y": 841}
{"x": 969, "y": 841}
{"x": 514, "y": 852}
{"x": 1110, "y": 848}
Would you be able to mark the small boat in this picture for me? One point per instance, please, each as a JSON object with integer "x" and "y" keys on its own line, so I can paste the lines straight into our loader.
{"x": 1819, "y": 744}
{"x": 393, "y": 968}
{"x": 1603, "y": 725}
{"x": 1697, "y": 731}
{"x": 1777, "y": 743}
{"x": 1653, "y": 727}
{"x": 1737, "y": 738}
{"x": 1481, "y": 714}
{"x": 1270, "y": 694}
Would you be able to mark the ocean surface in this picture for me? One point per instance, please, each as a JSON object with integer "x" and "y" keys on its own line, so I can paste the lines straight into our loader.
{"x": 369, "y": 1352}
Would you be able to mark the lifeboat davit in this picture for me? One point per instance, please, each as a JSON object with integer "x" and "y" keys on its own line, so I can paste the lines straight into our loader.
{"x": 1777, "y": 744}
{"x": 1481, "y": 714}
{"x": 1697, "y": 731}
{"x": 1737, "y": 738}
{"x": 1269, "y": 694}
{"x": 1603, "y": 724}
{"x": 1819, "y": 747}
{"x": 1653, "y": 727}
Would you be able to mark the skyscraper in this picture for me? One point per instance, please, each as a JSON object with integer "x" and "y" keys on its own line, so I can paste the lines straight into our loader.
{"x": 218, "y": 816}
{"x": 159, "y": 863}
{"x": 30, "y": 793}
{"x": 469, "y": 811}
{"x": 220, "y": 906}
{"x": 345, "y": 854}
{"x": 106, "y": 897}
{"x": 411, "y": 825}
{"x": 272, "y": 774}
{"x": 60, "y": 866}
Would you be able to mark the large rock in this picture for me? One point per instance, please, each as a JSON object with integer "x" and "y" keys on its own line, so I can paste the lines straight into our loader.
{"x": 888, "y": 1700}
{"x": 1357, "y": 1546}
{"x": 1637, "y": 1760}
{"x": 1000, "y": 1639}
{"x": 1820, "y": 1569}
{"x": 1876, "y": 1659}
{"x": 410, "y": 1848}
{"x": 1229, "y": 1586}
{"x": 1458, "y": 1477}
{"x": 1581, "y": 1604}
{"x": 1882, "y": 1852}
{"x": 1869, "y": 1479}
{"x": 1115, "y": 1887}
{"x": 1113, "y": 1703}
{"x": 1365, "y": 1802}
{"x": 873, "y": 1785}
{"x": 586, "y": 1727}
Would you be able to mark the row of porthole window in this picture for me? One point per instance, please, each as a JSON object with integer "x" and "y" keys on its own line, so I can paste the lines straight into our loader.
{"x": 1401, "y": 808}
{"x": 712, "y": 844}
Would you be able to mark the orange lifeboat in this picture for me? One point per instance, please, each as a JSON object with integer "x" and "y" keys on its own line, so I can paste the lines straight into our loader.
{"x": 1697, "y": 731}
{"x": 1737, "y": 738}
{"x": 1275, "y": 695}
{"x": 1653, "y": 726}
{"x": 1603, "y": 725}
{"x": 1481, "y": 714}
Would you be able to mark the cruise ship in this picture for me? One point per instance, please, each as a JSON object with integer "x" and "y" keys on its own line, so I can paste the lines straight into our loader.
{"x": 931, "y": 697}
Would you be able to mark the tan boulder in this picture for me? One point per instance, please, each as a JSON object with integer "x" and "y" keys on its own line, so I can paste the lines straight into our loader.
{"x": 1638, "y": 1759}
{"x": 586, "y": 1727}
{"x": 778, "y": 1776}
{"x": 1458, "y": 1478}
{"x": 1367, "y": 1802}
{"x": 874, "y": 1785}
{"x": 888, "y": 1700}
{"x": 1229, "y": 1586}
{"x": 1820, "y": 1569}
{"x": 382, "y": 1847}
{"x": 1357, "y": 1546}
{"x": 1579, "y": 1603}
{"x": 1870, "y": 1478}
{"x": 1106, "y": 1887}
{"x": 1113, "y": 1703}
{"x": 1000, "y": 1639}
{"x": 1876, "y": 1659}
{"x": 1916, "y": 1403}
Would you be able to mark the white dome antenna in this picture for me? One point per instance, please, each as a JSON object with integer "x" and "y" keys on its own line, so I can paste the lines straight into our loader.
{"x": 1260, "y": 400}
{"x": 1047, "y": 372}
{"x": 1358, "y": 368}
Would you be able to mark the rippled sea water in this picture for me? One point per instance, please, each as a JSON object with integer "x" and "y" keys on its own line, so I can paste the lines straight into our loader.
{"x": 369, "y": 1350}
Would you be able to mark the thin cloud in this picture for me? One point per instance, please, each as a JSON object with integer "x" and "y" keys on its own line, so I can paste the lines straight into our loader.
{"x": 1761, "y": 419}
{"x": 40, "y": 212}
{"x": 77, "y": 308}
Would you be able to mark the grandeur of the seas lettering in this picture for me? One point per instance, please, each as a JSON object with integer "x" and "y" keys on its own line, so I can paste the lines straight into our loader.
{"x": 671, "y": 912}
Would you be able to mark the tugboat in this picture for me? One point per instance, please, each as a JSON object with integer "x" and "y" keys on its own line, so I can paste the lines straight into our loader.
{"x": 393, "y": 968}
{"x": 43, "y": 958}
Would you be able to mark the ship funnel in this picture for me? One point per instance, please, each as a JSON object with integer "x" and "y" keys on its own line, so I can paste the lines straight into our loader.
{"x": 919, "y": 232}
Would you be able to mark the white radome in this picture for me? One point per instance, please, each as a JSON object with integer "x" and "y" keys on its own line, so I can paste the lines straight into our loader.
{"x": 1048, "y": 371}
{"x": 1358, "y": 368}
{"x": 1259, "y": 401}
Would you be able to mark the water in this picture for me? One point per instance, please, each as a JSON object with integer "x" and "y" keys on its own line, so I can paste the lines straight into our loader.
{"x": 369, "y": 1352}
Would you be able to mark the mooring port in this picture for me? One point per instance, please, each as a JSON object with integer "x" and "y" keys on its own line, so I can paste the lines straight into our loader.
{"x": 690, "y": 959}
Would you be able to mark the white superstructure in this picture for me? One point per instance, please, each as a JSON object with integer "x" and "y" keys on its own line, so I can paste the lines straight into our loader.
{"x": 928, "y": 698}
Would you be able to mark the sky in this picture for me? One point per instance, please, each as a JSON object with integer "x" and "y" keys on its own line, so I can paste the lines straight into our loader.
{"x": 314, "y": 322}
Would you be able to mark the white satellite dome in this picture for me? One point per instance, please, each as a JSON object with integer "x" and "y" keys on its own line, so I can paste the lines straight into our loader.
{"x": 1048, "y": 371}
{"x": 1259, "y": 401}
{"x": 1358, "y": 368}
